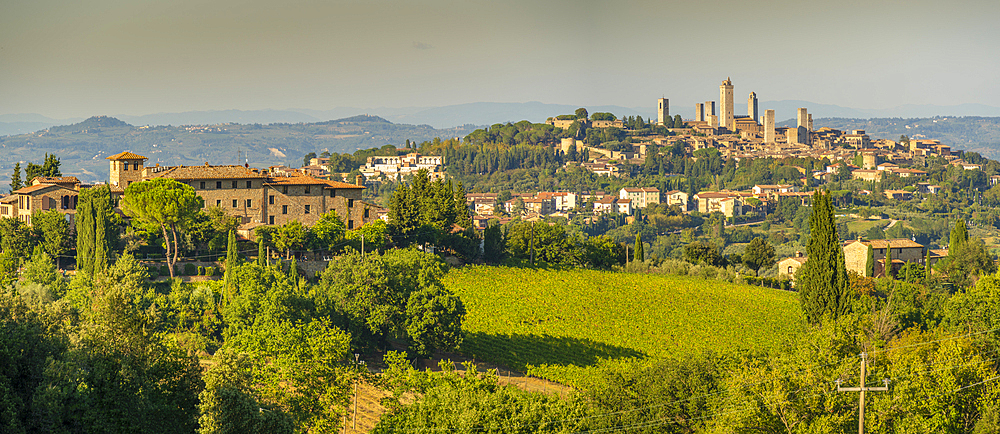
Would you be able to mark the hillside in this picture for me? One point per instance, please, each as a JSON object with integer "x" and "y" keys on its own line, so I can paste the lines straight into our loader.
{"x": 83, "y": 146}
{"x": 561, "y": 325}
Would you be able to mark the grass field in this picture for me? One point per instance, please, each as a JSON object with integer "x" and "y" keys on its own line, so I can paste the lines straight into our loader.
{"x": 561, "y": 325}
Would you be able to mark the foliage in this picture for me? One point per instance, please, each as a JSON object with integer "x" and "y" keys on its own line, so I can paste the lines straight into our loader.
{"x": 397, "y": 294}
{"x": 758, "y": 254}
{"x": 476, "y": 402}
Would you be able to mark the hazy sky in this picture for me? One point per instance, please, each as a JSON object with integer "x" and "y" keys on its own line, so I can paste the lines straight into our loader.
{"x": 79, "y": 58}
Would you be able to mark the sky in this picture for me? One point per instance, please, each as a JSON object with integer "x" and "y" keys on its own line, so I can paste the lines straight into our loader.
{"x": 79, "y": 58}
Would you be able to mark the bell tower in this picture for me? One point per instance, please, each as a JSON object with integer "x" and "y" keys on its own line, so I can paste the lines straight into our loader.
{"x": 126, "y": 168}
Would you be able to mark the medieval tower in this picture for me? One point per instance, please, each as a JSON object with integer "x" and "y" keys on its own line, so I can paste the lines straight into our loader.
{"x": 662, "y": 111}
{"x": 752, "y": 106}
{"x": 726, "y": 105}
{"x": 768, "y": 126}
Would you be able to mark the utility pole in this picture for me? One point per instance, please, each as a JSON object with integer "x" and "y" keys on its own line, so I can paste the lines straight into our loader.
{"x": 863, "y": 389}
{"x": 532, "y": 243}
{"x": 362, "y": 245}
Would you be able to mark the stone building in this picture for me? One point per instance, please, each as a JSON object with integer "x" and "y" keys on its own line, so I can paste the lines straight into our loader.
{"x": 256, "y": 196}
{"x": 44, "y": 194}
{"x": 789, "y": 266}
{"x": 903, "y": 251}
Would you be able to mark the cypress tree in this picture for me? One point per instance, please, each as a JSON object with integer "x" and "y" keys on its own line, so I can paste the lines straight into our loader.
{"x": 261, "y": 253}
{"x": 822, "y": 281}
{"x": 888, "y": 259}
{"x": 93, "y": 229}
{"x": 640, "y": 254}
{"x": 15, "y": 179}
{"x": 927, "y": 263}
{"x": 231, "y": 263}
{"x": 870, "y": 265}
{"x": 959, "y": 237}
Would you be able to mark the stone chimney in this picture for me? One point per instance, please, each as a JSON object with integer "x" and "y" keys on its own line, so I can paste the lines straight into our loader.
{"x": 359, "y": 180}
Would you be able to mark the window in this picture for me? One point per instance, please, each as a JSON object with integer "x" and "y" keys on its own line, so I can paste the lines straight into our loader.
{"x": 350, "y": 203}
{"x": 789, "y": 269}
{"x": 284, "y": 190}
{"x": 307, "y": 209}
{"x": 333, "y": 193}
{"x": 218, "y": 202}
{"x": 135, "y": 166}
{"x": 307, "y": 189}
{"x": 366, "y": 213}
{"x": 249, "y": 202}
{"x": 125, "y": 167}
{"x": 284, "y": 209}
{"x": 270, "y": 220}
{"x": 234, "y": 203}
{"x": 350, "y": 224}
{"x": 270, "y": 200}
{"x": 218, "y": 184}
{"x": 234, "y": 184}
{"x": 202, "y": 185}
{"x": 249, "y": 184}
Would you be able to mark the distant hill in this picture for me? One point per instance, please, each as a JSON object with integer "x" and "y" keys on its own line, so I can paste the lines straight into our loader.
{"x": 83, "y": 146}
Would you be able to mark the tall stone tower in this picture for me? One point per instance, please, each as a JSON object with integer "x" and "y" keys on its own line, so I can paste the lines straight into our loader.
{"x": 662, "y": 111}
{"x": 752, "y": 106}
{"x": 803, "y": 126}
{"x": 126, "y": 168}
{"x": 768, "y": 126}
{"x": 699, "y": 112}
{"x": 709, "y": 108}
{"x": 726, "y": 105}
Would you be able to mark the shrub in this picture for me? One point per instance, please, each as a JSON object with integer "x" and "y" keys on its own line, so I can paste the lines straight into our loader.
{"x": 201, "y": 270}
{"x": 209, "y": 271}
{"x": 164, "y": 270}
{"x": 190, "y": 269}
{"x": 153, "y": 272}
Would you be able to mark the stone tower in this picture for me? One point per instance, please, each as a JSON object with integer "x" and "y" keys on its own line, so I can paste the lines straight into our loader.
{"x": 768, "y": 126}
{"x": 126, "y": 168}
{"x": 709, "y": 108}
{"x": 699, "y": 112}
{"x": 726, "y": 105}
{"x": 803, "y": 126}
{"x": 752, "y": 106}
{"x": 662, "y": 111}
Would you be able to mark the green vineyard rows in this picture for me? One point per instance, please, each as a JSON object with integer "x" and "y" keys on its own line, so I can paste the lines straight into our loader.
{"x": 562, "y": 325}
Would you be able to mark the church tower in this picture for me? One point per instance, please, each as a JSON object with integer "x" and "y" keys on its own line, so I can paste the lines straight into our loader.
{"x": 726, "y": 103}
{"x": 752, "y": 106}
{"x": 662, "y": 111}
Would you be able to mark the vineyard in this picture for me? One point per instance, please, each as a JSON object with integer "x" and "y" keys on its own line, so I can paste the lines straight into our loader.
{"x": 562, "y": 325}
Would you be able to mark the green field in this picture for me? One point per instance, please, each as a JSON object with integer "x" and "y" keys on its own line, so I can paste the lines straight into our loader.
{"x": 561, "y": 325}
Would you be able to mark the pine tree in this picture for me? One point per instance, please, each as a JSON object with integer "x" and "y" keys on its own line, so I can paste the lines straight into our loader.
{"x": 870, "y": 265}
{"x": 822, "y": 281}
{"x": 15, "y": 179}
{"x": 959, "y": 237}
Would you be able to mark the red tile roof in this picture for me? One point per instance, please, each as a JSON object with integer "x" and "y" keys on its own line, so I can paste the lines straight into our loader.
{"x": 126, "y": 156}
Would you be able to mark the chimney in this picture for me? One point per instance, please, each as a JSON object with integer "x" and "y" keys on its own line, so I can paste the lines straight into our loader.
{"x": 798, "y": 253}
{"x": 359, "y": 180}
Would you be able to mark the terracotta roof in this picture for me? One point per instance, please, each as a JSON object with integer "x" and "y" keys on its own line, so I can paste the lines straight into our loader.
{"x": 899, "y": 243}
{"x": 56, "y": 179}
{"x": 126, "y": 156}
{"x": 206, "y": 172}
{"x": 8, "y": 199}
{"x": 309, "y": 180}
{"x": 33, "y": 188}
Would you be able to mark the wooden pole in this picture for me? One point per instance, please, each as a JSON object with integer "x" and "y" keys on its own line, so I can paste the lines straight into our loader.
{"x": 862, "y": 390}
